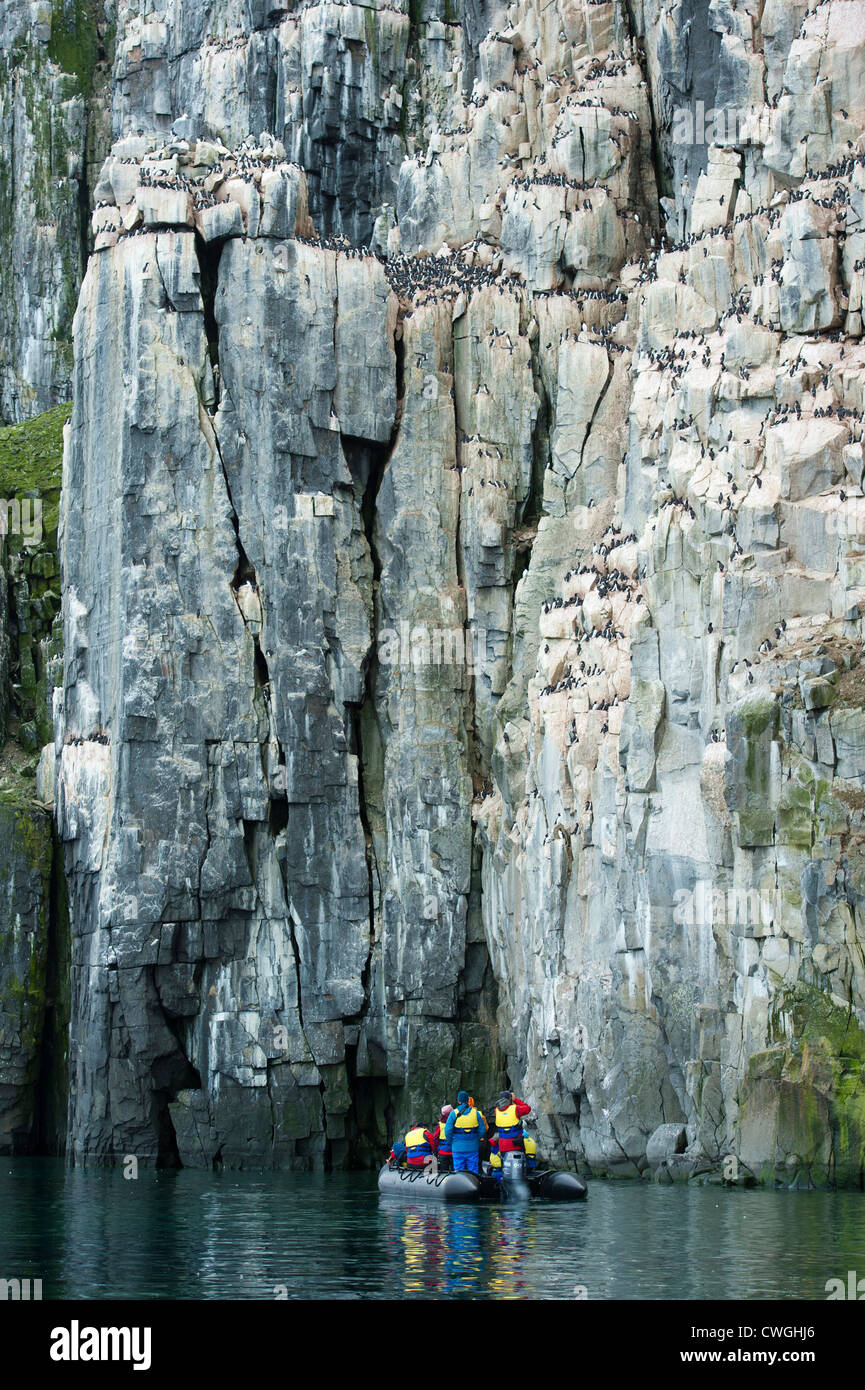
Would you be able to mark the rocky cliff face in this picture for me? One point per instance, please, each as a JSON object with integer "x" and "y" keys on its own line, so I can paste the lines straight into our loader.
{"x": 34, "y": 937}
{"x": 462, "y": 641}
{"x": 53, "y": 118}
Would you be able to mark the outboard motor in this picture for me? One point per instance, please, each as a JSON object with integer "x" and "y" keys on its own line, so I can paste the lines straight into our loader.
{"x": 513, "y": 1167}
{"x": 514, "y": 1185}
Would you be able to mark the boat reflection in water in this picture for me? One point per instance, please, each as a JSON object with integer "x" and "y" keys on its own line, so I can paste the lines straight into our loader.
{"x": 461, "y": 1250}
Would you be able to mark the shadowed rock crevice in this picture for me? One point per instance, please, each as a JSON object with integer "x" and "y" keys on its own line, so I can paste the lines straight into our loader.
{"x": 208, "y": 254}
{"x": 370, "y": 1094}
{"x": 50, "y": 1133}
{"x": 167, "y": 1155}
{"x": 662, "y": 181}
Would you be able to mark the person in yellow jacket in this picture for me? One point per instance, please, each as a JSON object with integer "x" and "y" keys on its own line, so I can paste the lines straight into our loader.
{"x": 419, "y": 1144}
{"x": 464, "y": 1131}
{"x": 495, "y": 1158}
{"x": 531, "y": 1150}
{"x": 510, "y": 1112}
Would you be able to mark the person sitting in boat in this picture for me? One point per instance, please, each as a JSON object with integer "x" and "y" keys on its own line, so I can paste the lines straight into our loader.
{"x": 419, "y": 1144}
{"x": 531, "y": 1150}
{"x": 510, "y": 1111}
{"x": 464, "y": 1130}
{"x": 443, "y": 1148}
{"x": 495, "y": 1159}
{"x": 396, "y": 1157}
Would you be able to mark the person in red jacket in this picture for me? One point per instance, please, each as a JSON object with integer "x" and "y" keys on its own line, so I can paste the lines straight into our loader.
{"x": 509, "y": 1122}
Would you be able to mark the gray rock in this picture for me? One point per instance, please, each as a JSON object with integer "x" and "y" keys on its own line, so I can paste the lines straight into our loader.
{"x": 25, "y": 940}
{"x": 323, "y": 866}
{"x": 667, "y": 1141}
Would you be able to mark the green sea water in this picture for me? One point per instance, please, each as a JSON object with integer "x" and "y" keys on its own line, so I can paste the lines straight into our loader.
{"x": 92, "y": 1234}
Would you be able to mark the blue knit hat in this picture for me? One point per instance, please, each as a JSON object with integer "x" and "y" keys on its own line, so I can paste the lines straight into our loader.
{"x": 463, "y": 1098}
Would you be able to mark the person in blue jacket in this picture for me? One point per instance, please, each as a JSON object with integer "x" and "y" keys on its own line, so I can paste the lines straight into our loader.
{"x": 464, "y": 1131}
{"x": 396, "y": 1158}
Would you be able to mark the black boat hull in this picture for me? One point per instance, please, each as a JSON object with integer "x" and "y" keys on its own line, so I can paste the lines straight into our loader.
{"x": 551, "y": 1185}
{"x": 556, "y": 1186}
{"x": 420, "y": 1185}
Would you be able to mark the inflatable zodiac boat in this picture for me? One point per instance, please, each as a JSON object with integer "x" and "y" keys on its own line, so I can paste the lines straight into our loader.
{"x": 550, "y": 1185}
{"x": 419, "y": 1184}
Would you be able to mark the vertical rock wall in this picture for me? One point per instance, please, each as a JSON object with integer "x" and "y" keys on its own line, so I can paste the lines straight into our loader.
{"x": 241, "y": 967}
{"x": 25, "y": 884}
{"x": 52, "y": 132}
{"x": 462, "y": 644}
{"x": 53, "y": 124}
{"x": 34, "y": 1004}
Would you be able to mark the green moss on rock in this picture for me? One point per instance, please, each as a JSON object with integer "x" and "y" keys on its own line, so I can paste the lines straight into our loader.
{"x": 31, "y": 462}
{"x": 25, "y": 934}
{"x": 802, "y": 1103}
{"x": 795, "y": 816}
{"x": 74, "y": 44}
{"x": 751, "y": 732}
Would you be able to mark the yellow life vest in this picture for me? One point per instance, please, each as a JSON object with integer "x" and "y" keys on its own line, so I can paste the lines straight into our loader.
{"x": 495, "y": 1160}
{"x": 507, "y": 1121}
{"x": 468, "y": 1121}
{"x": 530, "y": 1146}
{"x": 416, "y": 1139}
